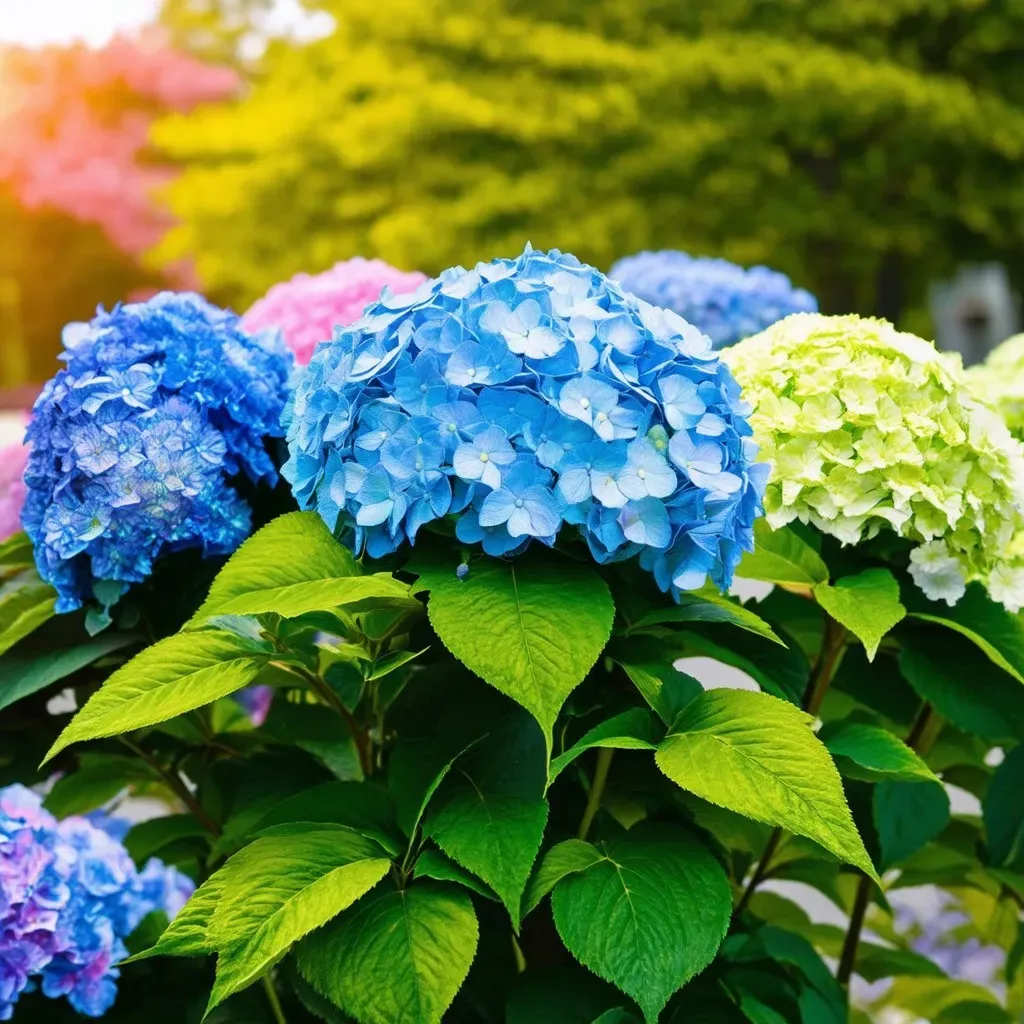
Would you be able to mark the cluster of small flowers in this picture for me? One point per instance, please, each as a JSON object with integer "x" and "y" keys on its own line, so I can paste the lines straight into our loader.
{"x": 869, "y": 428}
{"x": 13, "y": 459}
{"x": 308, "y": 307}
{"x": 69, "y": 896}
{"x": 519, "y": 396}
{"x": 727, "y": 302}
{"x": 1000, "y": 380}
{"x": 135, "y": 442}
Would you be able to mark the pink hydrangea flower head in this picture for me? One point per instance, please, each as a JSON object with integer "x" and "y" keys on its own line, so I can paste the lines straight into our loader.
{"x": 309, "y": 306}
{"x": 12, "y": 488}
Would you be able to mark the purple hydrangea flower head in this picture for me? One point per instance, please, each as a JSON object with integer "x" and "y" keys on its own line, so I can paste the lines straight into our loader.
{"x": 521, "y": 397}
{"x": 69, "y": 897}
{"x": 135, "y": 443}
{"x": 727, "y": 302}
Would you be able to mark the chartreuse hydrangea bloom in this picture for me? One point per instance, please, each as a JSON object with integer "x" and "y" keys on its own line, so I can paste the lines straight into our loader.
{"x": 69, "y": 896}
{"x": 519, "y": 397}
{"x": 725, "y": 301}
{"x": 1000, "y": 380}
{"x": 309, "y": 306}
{"x": 135, "y": 443}
{"x": 871, "y": 429}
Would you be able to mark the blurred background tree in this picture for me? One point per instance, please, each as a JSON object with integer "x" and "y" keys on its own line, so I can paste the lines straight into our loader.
{"x": 77, "y": 181}
{"x": 865, "y": 148}
{"x": 224, "y": 32}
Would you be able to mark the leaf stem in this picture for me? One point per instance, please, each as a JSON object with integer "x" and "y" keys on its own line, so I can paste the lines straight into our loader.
{"x": 761, "y": 871}
{"x": 273, "y": 999}
{"x": 177, "y": 786}
{"x": 922, "y": 735}
{"x": 604, "y": 761}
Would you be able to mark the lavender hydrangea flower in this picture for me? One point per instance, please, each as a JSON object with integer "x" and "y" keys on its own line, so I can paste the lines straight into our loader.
{"x": 69, "y": 897}
{"x": 135, "y": 442}
{"x": 727, "y": 302}
{"x": 520, "y": 397}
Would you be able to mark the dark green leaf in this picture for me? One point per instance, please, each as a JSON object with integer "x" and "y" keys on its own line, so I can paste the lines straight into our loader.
{"x": 707, "y": 607}
{"x": 99, "y": 778}
{"x": 780, "y": 556}
{"x": 532, "y": 628}
{"x": 877, "y": 751}
{"x": 908, "y": 815}
{"x": 434, "y": 864}
{"x": 149, "y": 838}
{"x": 663, "y": 686}
{"x": 631, "y": 730}
{"x": 1003, "y": 810}
{"x": 756, "y": 755}
{"x": 397, "y": 957}
{"x": 648, "y": 916}
{"x": 867, "y": 604}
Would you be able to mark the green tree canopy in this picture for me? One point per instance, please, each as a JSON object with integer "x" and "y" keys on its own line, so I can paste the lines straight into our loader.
{"x": 864, "y": 147}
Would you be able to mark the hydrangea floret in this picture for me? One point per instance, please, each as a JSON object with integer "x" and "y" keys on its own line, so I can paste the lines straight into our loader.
{"x": 1000, "y": 381}
{"x": 135, "y": 443}
{"x": 871, "y": 429}
{"x": 309, "y": 306}
{"x": 69, "y": 896}
{"x": 725, "y": 301}
{"x": 522, "y": 396}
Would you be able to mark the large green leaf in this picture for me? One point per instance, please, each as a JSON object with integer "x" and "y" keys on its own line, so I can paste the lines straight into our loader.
{"x": 867, "y": 604}
{"x": 997, "y": 632}
{"x": 23, "y": 675}
{"x": 780, "y": 556}
{"x": 877, "y": 751}
{"x": 291, "y": 567}
{"x": 707, "y": 607}
{"x": 648, "y": 915}
{"x": 907, "y": 816}
{"x": 286, "y": 887}
{"x": 173, "y": 676}
{"x": 397, "y": 957}
{"x": 632, "y": 730}
{"x": 756, "y": 755}
{"x": 532, "y": 628}
{"x": 25, "y": 604}
{"x": 963, "y": 685}
{"x": 566, "y": 858}
{"x": 490, "y": 813}
{"x": 1003, "y": 809}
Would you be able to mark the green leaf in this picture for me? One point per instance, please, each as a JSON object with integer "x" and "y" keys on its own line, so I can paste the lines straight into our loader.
{"x": 663, "y": 686}
{"x": 648, "y": 916}
{"x": 149, "y": 838}
{"x": 490, "y": 814}
{"x": 907, "y": 816}
{"x": 434, "y": 864}
{"x": 25, "y": 604}
{"x": 294, "y": 566}
{"x": 173, "y": 676}
{"x": 997, "y": 632}
{"x": 285, "y": 888}
{"x": 16, "y": 554}
{"x": 867, "y": 604}
{"x": 532, "y": 628}
{"x": 564, "y": 859}
{"x": 707, "y": 607}
{"x": 98, "y": 779}
{"x": 780, "y": 556}
{"x": 756, "y": 755}
{"x": 631, "y": 730}
{"x": 397, "y": 957}
{"x": 946, "y": 670}
{"x": 616, "y": 1016}
{"x": 876, "y": 962}
{"x": 877, "y": 751}
{"x": 930, "y": 997}
{"x": 23, "y": 675}
{"x": 1003, "y": 811}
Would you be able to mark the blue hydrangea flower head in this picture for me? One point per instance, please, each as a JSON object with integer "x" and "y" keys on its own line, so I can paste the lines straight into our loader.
{"x": 725, "y": 301}
{"x": 69, "y": 896}
{"x": 520, "y": 398}
{"x": 135, "y": 442}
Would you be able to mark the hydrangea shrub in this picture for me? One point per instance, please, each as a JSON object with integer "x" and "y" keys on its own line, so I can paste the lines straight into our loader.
{"x": 135, "y": 443}
{"x": 869, "y": 429}
{"x": 725, "y": 301}
{"x": 69, "y": 897}
{"x": 524, "y": 396}
{"x": 309, "y": 306}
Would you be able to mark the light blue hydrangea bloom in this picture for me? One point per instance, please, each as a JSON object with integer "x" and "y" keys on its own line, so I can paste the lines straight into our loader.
{"x": 520, "y": 397}
{"x": 69, "y": 896}
{"x": 134, "y": 444}
{"x": 725, "y": 301}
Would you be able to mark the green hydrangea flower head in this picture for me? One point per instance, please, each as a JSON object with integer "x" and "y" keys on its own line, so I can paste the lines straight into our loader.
{"x": 872, "y": 429}
{"x": 1000, "y": 380}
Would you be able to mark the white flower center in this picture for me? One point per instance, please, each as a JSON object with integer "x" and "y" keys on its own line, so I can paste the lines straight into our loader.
{"x": 642, "y": 473}
{"x": 584, "y": 403}
{"x": 484, "y": 456}
{"x": 471, "y": 372}
{"x": 519, "y": 502}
